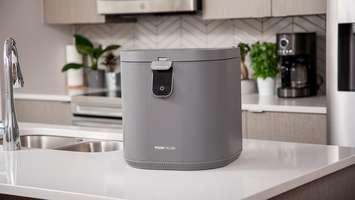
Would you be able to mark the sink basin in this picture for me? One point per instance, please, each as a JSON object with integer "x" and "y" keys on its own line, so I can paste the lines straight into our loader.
{"x": 93, "y": 146}
{"x": 66, "y": 143}
{"x": 46, "y": 142}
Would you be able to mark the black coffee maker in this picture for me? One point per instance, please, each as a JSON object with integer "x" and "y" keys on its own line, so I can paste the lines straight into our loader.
{"x": 298, "y": 58}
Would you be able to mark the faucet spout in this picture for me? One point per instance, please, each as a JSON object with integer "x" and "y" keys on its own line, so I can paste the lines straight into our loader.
{"x": 12, "y": 77}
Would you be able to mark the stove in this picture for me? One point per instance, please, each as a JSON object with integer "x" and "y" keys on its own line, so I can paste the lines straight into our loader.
{"x": 101, "y": 109}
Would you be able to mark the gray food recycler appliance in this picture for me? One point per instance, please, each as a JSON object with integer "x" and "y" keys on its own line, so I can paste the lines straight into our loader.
{"x": 182, "y": 108}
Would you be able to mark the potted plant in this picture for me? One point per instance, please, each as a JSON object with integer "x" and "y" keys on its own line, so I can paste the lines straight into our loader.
{"x": 112, "y": 77}
{"x": 264, "y": 60}
{"x": 248, "y": 86}
{"x": 95, "y": 77}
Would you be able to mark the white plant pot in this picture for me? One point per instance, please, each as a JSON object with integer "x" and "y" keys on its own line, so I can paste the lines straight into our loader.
{"x": 112, "y": 80}
{"x": 266, "y": 86}
{"x": 75, "y": 78}
{"x": 248, "y": 87}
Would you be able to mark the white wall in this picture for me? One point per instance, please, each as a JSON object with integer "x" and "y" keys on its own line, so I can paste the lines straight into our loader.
{"x": 41, "y": 47}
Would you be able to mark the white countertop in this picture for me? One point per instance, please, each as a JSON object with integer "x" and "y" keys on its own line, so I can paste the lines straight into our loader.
{"x": 256, "y": 103}
{"x": 63, "y": 95}
{"x": 264, "y": 169}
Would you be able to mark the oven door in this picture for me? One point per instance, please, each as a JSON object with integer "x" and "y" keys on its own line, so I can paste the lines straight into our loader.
{"x": 98, "y": 112}
{"x": 97, "y": 122}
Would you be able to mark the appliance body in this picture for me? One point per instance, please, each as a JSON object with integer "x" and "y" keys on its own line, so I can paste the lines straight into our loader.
{"x": 298, "y": 60}
{"x": 146, "y": 6}
{"x": 341, "y": 72}
{"x": 181, "y": 108}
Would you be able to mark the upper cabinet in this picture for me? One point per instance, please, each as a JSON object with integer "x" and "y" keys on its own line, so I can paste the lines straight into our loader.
{"x": 298, "y": 7}
{"x": 227, "y": 9}
{"x": 85, "y": 11}
{"x": 224, "y": 9}
{"x": 71, "y": 12}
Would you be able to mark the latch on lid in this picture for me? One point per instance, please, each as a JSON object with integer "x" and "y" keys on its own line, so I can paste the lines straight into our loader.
{"x": 162, "y": 85}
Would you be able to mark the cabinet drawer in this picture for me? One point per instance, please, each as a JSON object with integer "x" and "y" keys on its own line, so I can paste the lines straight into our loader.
{"x": 71, "y": 12}
{"x": 226, "y": 9}
{"x": 48, "y": 112}
{"x": 298, "y": 7}
{"x": 288, "y": 127}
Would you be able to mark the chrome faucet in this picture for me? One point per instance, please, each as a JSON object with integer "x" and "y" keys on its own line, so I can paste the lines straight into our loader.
{"x": 12, "y": 78}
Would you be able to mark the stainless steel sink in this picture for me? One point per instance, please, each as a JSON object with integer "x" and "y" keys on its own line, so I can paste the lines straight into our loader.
{"x": 46, "y": 142}
{"x": 66, "y": 143}
{"x": 93, "y": 146}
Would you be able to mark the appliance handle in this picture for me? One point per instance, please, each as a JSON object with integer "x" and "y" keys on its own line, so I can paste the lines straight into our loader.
{"x": 97, "y": 111}
{"x": 161, "y": 64}
{"x": 256, "y": 111}
{"x": 163, "y": 77}
{"x": 96, "y": 124}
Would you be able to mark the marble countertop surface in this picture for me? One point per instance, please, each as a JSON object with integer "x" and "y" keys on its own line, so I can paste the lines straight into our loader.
{"x": 256, "y": 103}
{"x": 264, "y": 169}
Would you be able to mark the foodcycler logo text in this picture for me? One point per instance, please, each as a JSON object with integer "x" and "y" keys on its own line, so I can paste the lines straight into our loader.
{"x": 164, "y": 148}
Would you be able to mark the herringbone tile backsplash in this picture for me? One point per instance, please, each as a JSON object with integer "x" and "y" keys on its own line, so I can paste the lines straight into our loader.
{"x": 191, "y": 31}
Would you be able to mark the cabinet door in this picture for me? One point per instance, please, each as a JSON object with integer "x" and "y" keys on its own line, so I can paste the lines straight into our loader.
{"x": 226, "y": 9}
{"x": 288, "y": 127}
{"x": 47, "y": 112}
{"x": 71, "y": 12}
{"x": 298, "y": 7}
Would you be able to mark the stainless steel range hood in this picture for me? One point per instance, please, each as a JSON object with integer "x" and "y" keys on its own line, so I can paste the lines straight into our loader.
{"x": 146, "y": 6}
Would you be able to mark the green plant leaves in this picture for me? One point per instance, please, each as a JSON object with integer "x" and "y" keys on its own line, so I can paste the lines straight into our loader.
{"x": 97, "y": 52}
{"x": 81, "y": 40}
{"x": 111, "y": 47}
{"x": 72, "y": 66}
{"x": 244, "y": 50}
{"x": 110, "y": 61}
{"x": 264, "y": 59}
{"x": 83, "y": 45}
{"x": 86, "y": 48}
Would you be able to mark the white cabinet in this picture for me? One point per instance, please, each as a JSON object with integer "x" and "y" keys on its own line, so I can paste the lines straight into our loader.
{"x": 227, "y": 9}
{"x": 298, "y": 7}
{"x": 224, "y": 9}
{"x": 71, "y": 12}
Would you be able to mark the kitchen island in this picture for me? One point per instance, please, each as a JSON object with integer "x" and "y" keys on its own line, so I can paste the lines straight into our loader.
{"x": 264, "y": 170}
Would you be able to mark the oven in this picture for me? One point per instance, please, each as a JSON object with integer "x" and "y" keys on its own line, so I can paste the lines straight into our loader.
{"x": 100, "y": 110}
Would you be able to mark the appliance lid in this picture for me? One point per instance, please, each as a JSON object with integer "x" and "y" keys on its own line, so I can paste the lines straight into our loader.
{"x": 179, "y": 55}
{"x": 145, "y": 6}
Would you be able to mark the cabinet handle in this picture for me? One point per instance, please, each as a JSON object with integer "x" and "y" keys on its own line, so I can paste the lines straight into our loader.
{"x": 256, "y": 111}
